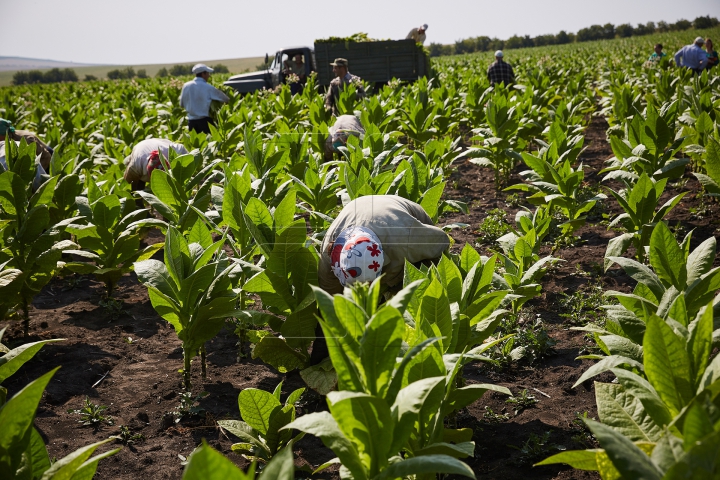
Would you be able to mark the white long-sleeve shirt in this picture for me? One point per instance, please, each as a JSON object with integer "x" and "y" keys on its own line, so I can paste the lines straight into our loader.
{"x": 416, "y": 35}
{"x": 196, "y": 96}
{"x": 692, "y": 57}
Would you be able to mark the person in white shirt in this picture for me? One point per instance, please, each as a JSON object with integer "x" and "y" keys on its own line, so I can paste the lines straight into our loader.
{"x": 145, "y": 157}
{"x": 692, "y": 56}
{"x": 196, "y": 97}
{"x": 418, "y": 34}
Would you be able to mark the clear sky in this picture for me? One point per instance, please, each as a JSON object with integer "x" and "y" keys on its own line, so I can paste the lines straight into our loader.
{"x": 134, "y": 32}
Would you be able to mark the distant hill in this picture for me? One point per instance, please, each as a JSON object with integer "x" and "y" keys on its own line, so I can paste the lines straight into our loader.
{"x": 235, "y": 65}
{"x": 22, "y": 63}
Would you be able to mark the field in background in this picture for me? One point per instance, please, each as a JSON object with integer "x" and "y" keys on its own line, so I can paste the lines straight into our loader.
{"x": 235, "y": 65}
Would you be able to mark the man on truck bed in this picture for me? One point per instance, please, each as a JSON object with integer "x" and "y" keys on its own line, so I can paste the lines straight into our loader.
{"x": 418, "y": 34}
{"x": 196, "y": 97}
{"x": 337, "y": 84}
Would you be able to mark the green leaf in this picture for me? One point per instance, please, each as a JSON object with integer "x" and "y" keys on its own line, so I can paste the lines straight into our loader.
{"x": 577, "y": 459}
{"x": 667, "y": 258}
{"x": 667, "y": 365}
{"x": 278, "y": 354}
{"x": 324, "y": 426}
{"x": 625, "y": 413}
{"x": 625, "y": 456}
{"x": 379, "y": 348}
{"x": 16, "y": 358}
{"x": 205, "y": 463}
{"x": 426, "y": 464}
{"x": 281, "y": 466}
{"x": 256, "y": 407}
{"x": 435, "y": 309}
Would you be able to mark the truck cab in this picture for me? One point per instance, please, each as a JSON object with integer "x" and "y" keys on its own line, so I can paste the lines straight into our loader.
{"x": 275, "y": 74}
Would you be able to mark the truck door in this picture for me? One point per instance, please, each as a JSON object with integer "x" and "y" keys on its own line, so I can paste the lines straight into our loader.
{"x": 276, "y": 70}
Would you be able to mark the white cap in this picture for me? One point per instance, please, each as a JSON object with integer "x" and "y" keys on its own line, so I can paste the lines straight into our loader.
{"x": 200, "y": 68}
{"x": 424, "y": 27}
{"x": 700, "y": 40}
{"x": 499, "y": 54}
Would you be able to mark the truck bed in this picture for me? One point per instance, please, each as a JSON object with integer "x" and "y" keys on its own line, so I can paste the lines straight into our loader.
{"x": 373, "y": 61}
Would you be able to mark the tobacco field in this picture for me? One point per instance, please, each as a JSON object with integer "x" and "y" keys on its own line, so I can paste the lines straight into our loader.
{"x": 571, "y": 331}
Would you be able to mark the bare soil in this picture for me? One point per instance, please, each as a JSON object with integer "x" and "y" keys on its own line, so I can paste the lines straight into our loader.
{"x": 130, "y": 363}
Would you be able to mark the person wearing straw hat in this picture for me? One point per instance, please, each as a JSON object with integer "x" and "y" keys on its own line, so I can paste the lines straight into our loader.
{"x": 145, "y": 157}
{"x": 692, "y": 56}
{"x": 418, "y": 34}
{"x": 500, "y": 71}
{"x": 196, "y": 97}
{"x": 374, "y": 235}
{"x": 7, "y": 130}
{"x": 337, "y": 84}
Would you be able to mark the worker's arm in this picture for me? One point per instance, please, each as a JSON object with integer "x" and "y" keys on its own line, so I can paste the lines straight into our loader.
{"x": 678, "y": 55}
{"x": 219, "y": 95}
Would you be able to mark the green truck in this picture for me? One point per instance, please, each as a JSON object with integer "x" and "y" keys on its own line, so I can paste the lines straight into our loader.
{"x": 374, "y": 62}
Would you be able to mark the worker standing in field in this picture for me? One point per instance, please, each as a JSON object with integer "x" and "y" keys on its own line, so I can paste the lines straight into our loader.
{"x": 145, "y": 157}
{"x": 712, "y": 54}
{"x": 196, "y": 97}
{"x": 692, "y": 56}
{"x": 375, "y": 235}
{"x": 658, "y": 54}
{"x": 344, "y": 126}
{"x": 7, "y": 130}
{"x": 418, "y": 34}
{"x": 337, "y": 84}
{"x": 500, "y": 71}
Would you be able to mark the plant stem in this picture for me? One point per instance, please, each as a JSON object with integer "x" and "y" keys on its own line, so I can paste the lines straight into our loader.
{"x": 187, "y": 357}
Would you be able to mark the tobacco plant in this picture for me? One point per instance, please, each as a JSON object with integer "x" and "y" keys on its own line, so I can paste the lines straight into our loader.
{"x": 193, "y": 289}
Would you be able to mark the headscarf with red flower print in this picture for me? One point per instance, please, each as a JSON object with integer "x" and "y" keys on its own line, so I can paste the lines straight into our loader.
{"x": 357, "y": 256}
{"x": 155, "y": 160}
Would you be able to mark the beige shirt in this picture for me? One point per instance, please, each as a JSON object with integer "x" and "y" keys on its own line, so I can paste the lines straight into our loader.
{"x": 416, "y": 35}
{"x": 136, "y": 163}
{"x": 405, "y": 231}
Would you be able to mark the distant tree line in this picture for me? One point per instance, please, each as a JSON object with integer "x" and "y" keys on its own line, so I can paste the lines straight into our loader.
{"x": 594, "y": 32}
{"x": 180, "y": 70}
{"x": 126, "y": 73}
{"x": 54, "y": 75}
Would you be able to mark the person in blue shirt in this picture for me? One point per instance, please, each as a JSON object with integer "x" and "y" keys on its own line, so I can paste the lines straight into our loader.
{"x": 692, "y": 56}
{"x": 196, "y": 97}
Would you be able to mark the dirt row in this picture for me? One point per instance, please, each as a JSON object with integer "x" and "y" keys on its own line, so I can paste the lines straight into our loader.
{"x": 129, "y": 362}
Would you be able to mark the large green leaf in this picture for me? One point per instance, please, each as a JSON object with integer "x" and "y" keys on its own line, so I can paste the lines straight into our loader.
{"x": 625, "y": 456}
{"x": 379, "y": 349}
{"x": 625, "y": 413}
{"x": 256, "y": 407}
{"x": 667, "y": 364}
{"x": 16, "y": 358}
{"x": 667, "y": 258}
{"x": 324, "y": 426}
{"x": 16, "y": 420}
{"x": 435, "y": 309}
{"x": 207, "y": 464}
{"x": 366, "y": 421}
